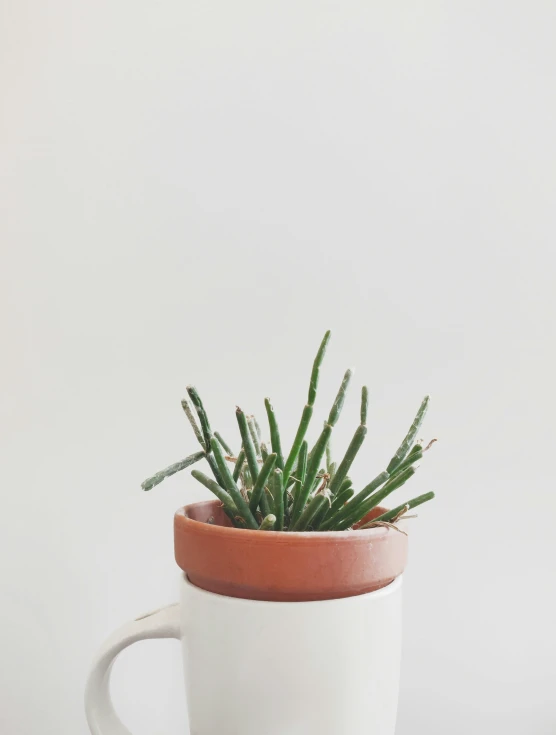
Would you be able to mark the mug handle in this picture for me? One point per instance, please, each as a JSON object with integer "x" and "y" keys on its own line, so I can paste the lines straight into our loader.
{"x": 101, "y": 716}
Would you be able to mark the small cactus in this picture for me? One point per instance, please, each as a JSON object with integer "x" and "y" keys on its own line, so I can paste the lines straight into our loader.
{"x": 276, "y": 491}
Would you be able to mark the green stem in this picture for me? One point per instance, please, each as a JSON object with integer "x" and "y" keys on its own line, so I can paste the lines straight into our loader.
{"x": 405, "y": 446}
{"x": 411, "y": 458}
{"x": 347, "y": 461}
{"x": 171, "y": 470}
{"x": 345, "y": 484}
{"x": 214, "y": 468}
{"x": 339, "y": 501}
{"x": 268, "y": 523}
{"x": 278, "y": 495}
{"x": 310, "y": 512}
{"x": 313, "y": 383}
{"x": 307, "y": 410}
{"x": 239, "y": 465}
{"x": 338, "y": 404}
{"x": 364, "y": 404}
{"x": 191, "y": 417}
{"x": 202, "y": 414}
{"x": 274, "y": 434}
{"x": 215, "y": 488}
{"x": 312, "y": 470}
{"x": 357, "y": 512}
{"x": 391, "y": 514}
{"x": 258, "y": 487}
{"x": 231, "y": 487}
{"x": 225, "y": 446}
{"x": 254, "y": 435}
{"x": 317, "y": 453}
{"x": 359, "y": 498}
{"x": 248, "y": 446}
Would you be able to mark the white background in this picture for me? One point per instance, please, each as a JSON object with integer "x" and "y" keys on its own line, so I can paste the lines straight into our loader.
{"x": 194, "y": 192}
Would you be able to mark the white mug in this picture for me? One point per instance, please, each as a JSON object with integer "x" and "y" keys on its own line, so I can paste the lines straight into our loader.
{"x": 320, "y": 668}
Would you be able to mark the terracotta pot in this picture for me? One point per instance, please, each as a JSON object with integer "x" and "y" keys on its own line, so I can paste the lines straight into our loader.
{"x": 283, "y": 566}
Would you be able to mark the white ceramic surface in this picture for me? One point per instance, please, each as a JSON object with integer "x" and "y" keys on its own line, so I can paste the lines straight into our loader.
{"x": 271, "y": 668}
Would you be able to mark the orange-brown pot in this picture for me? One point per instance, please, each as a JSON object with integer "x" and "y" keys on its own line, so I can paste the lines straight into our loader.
{"x": 284, "y": 566}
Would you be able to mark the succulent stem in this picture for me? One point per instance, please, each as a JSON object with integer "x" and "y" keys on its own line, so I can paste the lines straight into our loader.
{"x": 225, "y": 446}
{"x": 231, "y": 487}
{"x": 307, "y": 410}
{"x": 274, "y": 434}
{"x": 310, "y": 512}
{"x": 268, "y": 523}
{"x": 258, "y": 487}
{"x": 151, "y": 482}
{"x": 191, "y": 418}
{"x": 405, "y": 446}
{"x": 390, "y": 515}
{"x": 215, "y": 488}
{"x": 254, "y": 435}
{"x": 248, "y": 445}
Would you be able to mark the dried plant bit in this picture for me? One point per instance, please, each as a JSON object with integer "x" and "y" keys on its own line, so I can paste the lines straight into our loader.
{"x": 268, "y": 523}
{"x": 258, "y": 487}
{"x": 202, "y": 414}
{"x": 225, "y": 446}
{"x": 405, "y": 446}
{"x": 254, "y": 434}
{"x": 231, "y": 487}
{"x": 429, "y": 445}
{"x": 385, "y": 524}
{"x": 402, "y": 512}
{"x": 323, "y": 489}
{"x": 157, "y": 478}
{"x": 248, "y": 445}
{"x": 192, "y": 420}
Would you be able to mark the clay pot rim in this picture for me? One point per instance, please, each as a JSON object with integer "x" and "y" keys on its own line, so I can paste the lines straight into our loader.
{"x": 247, "y": 534}
{"x": 380, "y": 592}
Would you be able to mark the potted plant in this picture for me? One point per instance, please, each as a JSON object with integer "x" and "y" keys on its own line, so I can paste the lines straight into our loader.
{"x": 290, "y": 613}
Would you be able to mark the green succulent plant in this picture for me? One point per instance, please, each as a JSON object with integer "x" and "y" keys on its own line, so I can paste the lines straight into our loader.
{"x": 303, "y": 490}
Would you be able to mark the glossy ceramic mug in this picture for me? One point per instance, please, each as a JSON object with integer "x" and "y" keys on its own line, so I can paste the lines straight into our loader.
{"x": 253, "y": 667}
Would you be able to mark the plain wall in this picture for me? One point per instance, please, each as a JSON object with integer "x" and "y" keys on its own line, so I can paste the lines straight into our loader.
{"x": 192, "y": 192}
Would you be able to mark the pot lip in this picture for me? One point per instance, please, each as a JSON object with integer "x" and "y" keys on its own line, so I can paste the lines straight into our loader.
{"x": 392, "y": 586}
{"x": 246, "y": 534}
